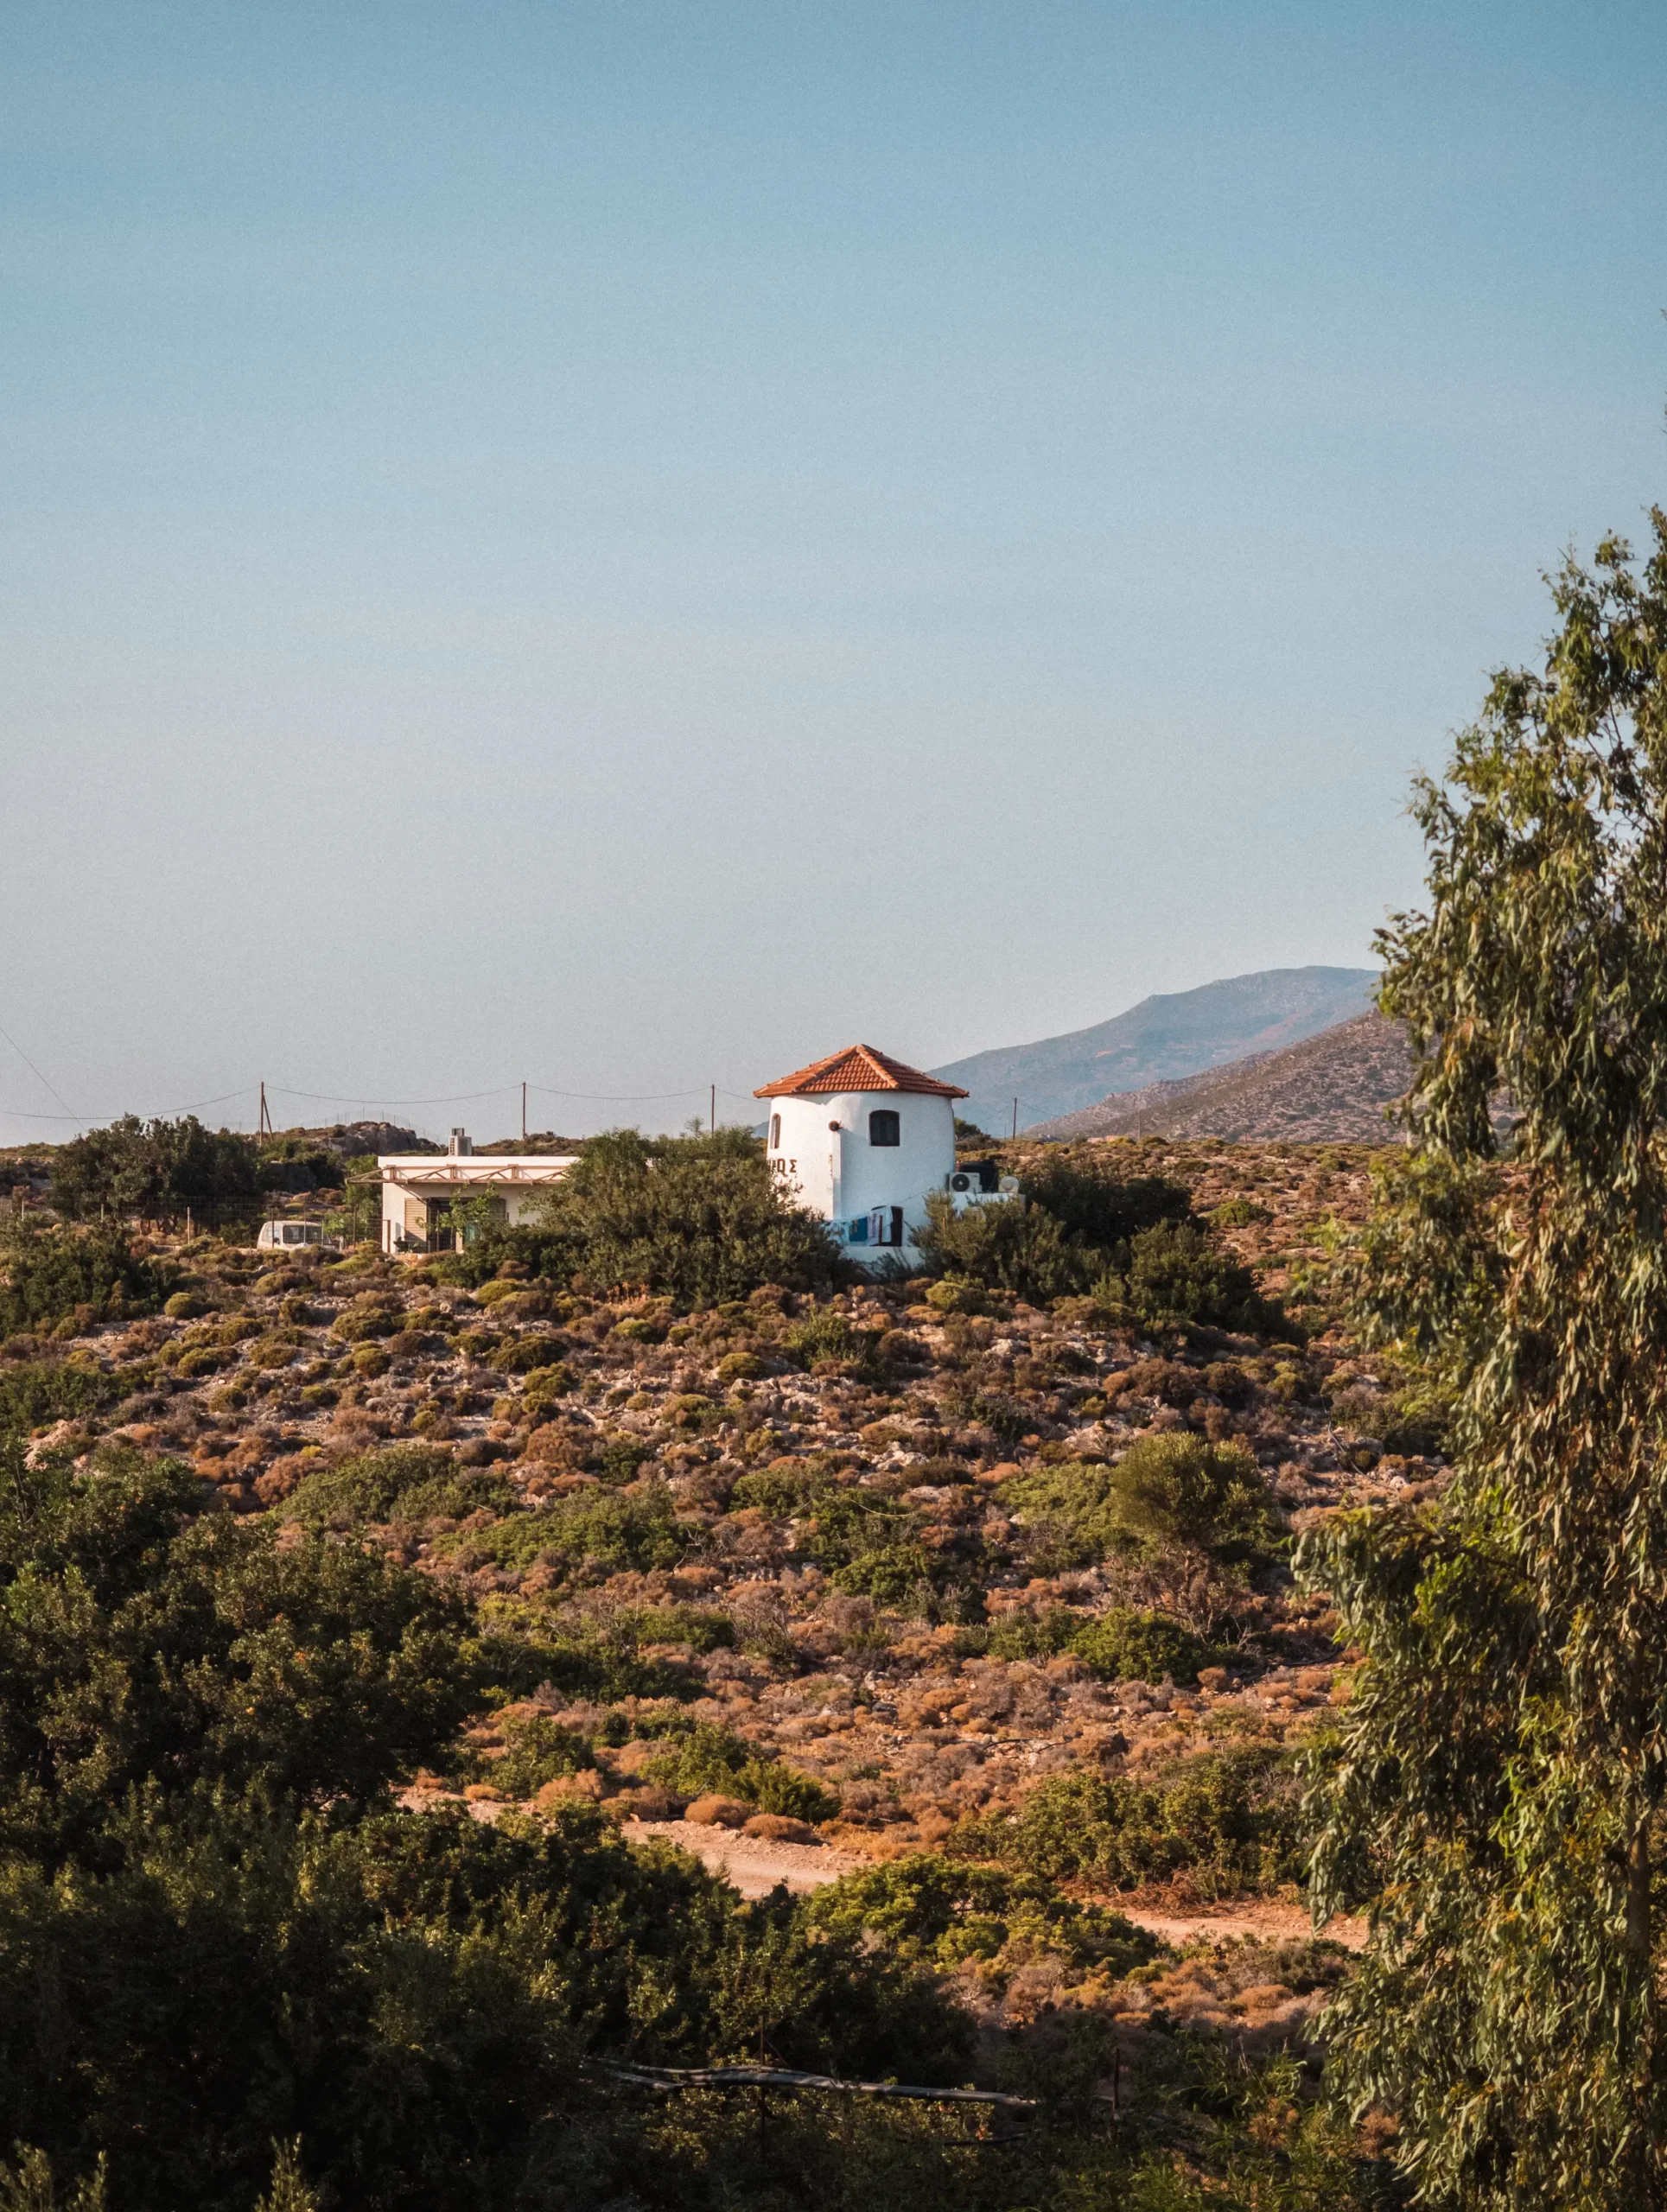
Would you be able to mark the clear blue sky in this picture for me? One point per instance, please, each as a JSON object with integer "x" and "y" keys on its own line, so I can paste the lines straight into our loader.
{"x": 633, "y": 545}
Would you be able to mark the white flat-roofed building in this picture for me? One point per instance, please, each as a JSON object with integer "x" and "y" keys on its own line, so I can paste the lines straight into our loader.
{"x": 863, "y": 1139}
{"x": 419, "y": 1189}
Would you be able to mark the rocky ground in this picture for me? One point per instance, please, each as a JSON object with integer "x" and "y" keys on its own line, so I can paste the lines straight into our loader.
{"x": 803, "y": 1526}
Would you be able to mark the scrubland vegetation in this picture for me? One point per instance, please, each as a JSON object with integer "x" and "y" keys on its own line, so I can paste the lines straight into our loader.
{"x": 1228, "y": 1524}
{"x": 371, "y": 1625}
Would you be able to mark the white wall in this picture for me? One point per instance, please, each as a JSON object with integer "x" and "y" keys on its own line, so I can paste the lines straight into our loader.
{"x": 836, "y": 1173}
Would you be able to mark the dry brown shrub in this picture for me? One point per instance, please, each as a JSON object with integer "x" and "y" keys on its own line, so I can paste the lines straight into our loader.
{"x": 718, "y": 1812}
{"x": 777, "y": 1827}
{"x": 551, "y": 1445}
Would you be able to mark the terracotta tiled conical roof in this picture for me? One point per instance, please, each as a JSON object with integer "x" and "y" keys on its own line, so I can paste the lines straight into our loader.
{"x": 859, "y": 1067}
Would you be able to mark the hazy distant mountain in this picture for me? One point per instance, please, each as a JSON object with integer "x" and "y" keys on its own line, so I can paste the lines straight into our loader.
{"x": 1331, "y": 1089}
{"x": 1173, "y": 1034}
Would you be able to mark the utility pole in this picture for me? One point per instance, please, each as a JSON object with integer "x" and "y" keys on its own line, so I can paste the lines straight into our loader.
{"x": 524, "y": 1113}
{"x": 715, "y": 1110}
{"x": 1015, "y": 1120}
{"x": 266, "y": 1130}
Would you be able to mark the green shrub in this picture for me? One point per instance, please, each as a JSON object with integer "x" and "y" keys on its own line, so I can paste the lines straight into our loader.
{"x": 1073, "y": 1228}
{"x": 48, "y": 1274}
{"x": 1127, "y": 1646}
{"x": 889, "y": 1573}
{"x": 1098, "y": 1210}
{"x": 523, "y": 1355}
{"x": 694, "y": 1220}
{"x": 944, "y": 1910}
{"x": 841, "y": 1523}
{"x": 538, "y": 1750}
{"x": 33, "y": 1393}
{"x": 363, "y": 1323}
{"x": 1017, "y": 1248}
{"x": 827, "y": 1332}
{"x": 601, "y": 1532}
{"x": 1166, "y": 1489}
{"x": 777, "y": 1789}
{"x": 280, "y": 1349}
{"x": 960, "y": 1294}
{"x": 741, "y": 1367}
{"x": 782, "y": 1493}
{"x": 1176, "y": 1275}
{"x": 1023, "y": 1634}
{"x": 1228, "y": 1819}
{"x": 1176, "y": 1487}
{"x": 708, "y": 1758}
{"x": 134, "y": 1167}
{"x": 637, "y": 1329}
{"x": 185, "y": 1305}
{"x": 204, "y": 1360}
{"x": 621, "y": 1457}
{"x": 545, "y": 1387}
{"x": 1238, "y": 1213}
{"x": 701, "y": 1631}
{"x": 1417, "y": 1418}
{"x": 600, "y": 1668}
{"x": 404, "y": 1483}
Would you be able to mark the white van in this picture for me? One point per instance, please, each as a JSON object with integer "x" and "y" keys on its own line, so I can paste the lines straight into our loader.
{"x": 292, "y": 1236}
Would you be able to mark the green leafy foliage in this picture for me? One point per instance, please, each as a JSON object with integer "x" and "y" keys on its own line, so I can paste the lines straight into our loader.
{"x": 49, "y": 1275}
{"x": 1496, "y": 1794}
{"x": 1019, "y": 1249}
{"x": 1130, "y": 1645}
{"x": 693, "y": 1219}
{"x": 1227, "y": 1820}
{"x": 134, "y": 1167}
{"x": 600, "y": 1532}
{"x": 1175, "y": 1274}
{"x": 1166, "y": 1489}
{"x": 215, "y": 1933}
{"x": 945, "y": 1910}
{"x": 404, "y": 1483}
{"x": 537, "y": 1750}
{"x": 1133, "y": 1243}
{"x": 1124, "y": 1644}
{"x": 1098, "y": 1211}
{"x": 145, "y": 1641}
{"x": 705, "y": 1757}
{"x": 34, "y": 1392}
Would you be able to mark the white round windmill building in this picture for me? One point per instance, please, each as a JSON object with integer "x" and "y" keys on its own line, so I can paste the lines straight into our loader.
{"x": 863, "y": 1139}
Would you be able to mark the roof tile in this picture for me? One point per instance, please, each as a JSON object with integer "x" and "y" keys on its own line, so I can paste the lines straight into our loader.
{"x": 859, "y": 1067}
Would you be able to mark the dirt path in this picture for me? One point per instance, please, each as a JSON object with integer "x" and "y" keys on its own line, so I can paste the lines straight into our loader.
{"x": 755, "y": 1867}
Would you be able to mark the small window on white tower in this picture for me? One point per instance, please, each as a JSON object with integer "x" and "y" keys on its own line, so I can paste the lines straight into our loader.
{"x": 884, "y": 1127}
{"x": 775, "y": 1132}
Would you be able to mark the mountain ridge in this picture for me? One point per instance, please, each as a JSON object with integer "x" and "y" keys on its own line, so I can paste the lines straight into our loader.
{"x": 1167, "y": 1037}
{"x": 1333, "y": 1088}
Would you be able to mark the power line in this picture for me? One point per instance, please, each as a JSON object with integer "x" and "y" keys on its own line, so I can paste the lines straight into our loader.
{"x": 67, "y": 1114}
{"x": 343, "y": 1098}
{"x": 93, "y": 1121}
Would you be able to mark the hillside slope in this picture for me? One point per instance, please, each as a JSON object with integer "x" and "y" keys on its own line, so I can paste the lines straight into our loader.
{"x": 1331, "y": 1089}
{"x": 1172, "y": 1035}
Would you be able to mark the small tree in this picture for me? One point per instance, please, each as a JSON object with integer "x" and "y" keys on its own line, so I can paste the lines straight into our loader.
{"x": 695, "y": 1218}
{"x": 139, "y": 1167}
{"x": 1497, "y": 1795}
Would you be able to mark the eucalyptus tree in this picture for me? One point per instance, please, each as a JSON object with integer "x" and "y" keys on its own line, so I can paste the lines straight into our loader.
{"x": 1496, "y": 1795}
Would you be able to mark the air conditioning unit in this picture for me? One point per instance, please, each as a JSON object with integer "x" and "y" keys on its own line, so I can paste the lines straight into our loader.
{"x": 964, "y": 1182}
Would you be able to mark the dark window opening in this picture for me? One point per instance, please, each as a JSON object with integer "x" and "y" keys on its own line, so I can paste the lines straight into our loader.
{"x": 775, "y": 1132}
{"x": 884, "y": 1127}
